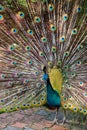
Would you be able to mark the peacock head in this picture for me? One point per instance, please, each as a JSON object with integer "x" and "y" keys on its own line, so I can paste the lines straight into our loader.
{"x": 45, "y": 76}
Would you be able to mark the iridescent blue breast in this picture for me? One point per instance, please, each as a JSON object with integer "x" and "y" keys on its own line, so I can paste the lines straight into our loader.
{"x": 53, "y": 98}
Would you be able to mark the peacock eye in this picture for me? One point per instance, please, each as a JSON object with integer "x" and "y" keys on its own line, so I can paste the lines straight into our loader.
{"x": 14, "y": 62}
{"x": 80, "y": 47}
{"x": 85, "y": 94}
{"x": 30, "y": 62}
{"x": 66, "y": 67}
{"x": 26, "y": 80}
{"x": 65, "y": 17}
{"x": 52, "y": 27}
{"x": 42, "y": 98}
{"x": 70, "y": 96}
{"x": 24, "y": 105}
{"x": 70, "y": 88}
{"x": 62, "y": 39}
{"x": 75, "y": 109}
{"x": 30, "y": 32}
{"x": 74, "y": 31}
{"x": 43, "y": 93}
{"x": 78, "y": 62}
{"x": 36, "y": 73}
{"x": 10, "y": 83}
{"x": 70, "y": 105}
{"x": 39, "y": 102}
{"x": 18, "y": 107}
{"x": 11, "y": 108}
{"x": 1, "y": 8}
{"x": 73, "y": 74}
{"x": 80, "y": 108}
{"x": 51, "y": 7}
{"x": 65, "y": 99}
{"x": 62, "y": 95}
{"x": 38, "y": 84}
{"x": 85, "y": 111}
{"x": 59, "y": 63}
{"x": 41, "y": 54}
{"x": 34, "y": 93}
{"x": 2, "y": 100}
{"x": 34, "y": 102}
{"x": 15, "y": 97}
{"x": 14, "y": 30}
{"x": 44, "y": 39}
{"x": 65, "y": 80}
{"x": 28, "y": 104}
{"x": 37, "y": 19}
{"x": 79, "y": 9}
{"x": 19, "y": 74}
{"x": 50, "y": 64}
{"x": 28, "y": 48}
{"x": 81, "y": 83}
{"x": 1, "y": 17}
{"x": 53, "y": 49}
{"x": 12, "y": 48}
{"x": 20, "y": 15}
{"x": 21, "y": 90}
{"x": 66, "y": 54}
{"x": 65, "y": 106}
{"x": 2, "y": 76}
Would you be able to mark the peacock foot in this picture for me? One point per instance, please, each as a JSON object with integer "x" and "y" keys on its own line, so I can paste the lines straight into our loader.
{"x": 66, "y": 121}
{"x": 54, "y": 122}
{"x": 63, "y": 121}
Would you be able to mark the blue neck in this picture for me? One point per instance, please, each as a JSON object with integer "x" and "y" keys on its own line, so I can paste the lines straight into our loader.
{"x": 49, "y": 86}
{"x": 53, "y": 98}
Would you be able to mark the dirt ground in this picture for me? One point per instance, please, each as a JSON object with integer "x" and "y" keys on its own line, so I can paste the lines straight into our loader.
{"x": 39, "y": 119}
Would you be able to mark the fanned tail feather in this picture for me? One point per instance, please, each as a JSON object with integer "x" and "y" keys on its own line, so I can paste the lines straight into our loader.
{"x": 42, "y": 33}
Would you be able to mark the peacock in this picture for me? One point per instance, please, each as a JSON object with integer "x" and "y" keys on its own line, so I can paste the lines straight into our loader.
{"x": 43, "y": 54}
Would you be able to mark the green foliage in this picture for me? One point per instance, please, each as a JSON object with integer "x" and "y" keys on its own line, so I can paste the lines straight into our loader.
{"x": 23, "y": 2}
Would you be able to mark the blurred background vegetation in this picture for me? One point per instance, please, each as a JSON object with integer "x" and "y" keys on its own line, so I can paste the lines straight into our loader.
{"x": 23, "y": 2}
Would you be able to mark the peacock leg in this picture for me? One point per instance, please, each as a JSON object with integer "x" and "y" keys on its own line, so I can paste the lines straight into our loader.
{"x": 55, "y": 121}
{"x": 64, "y": 118}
